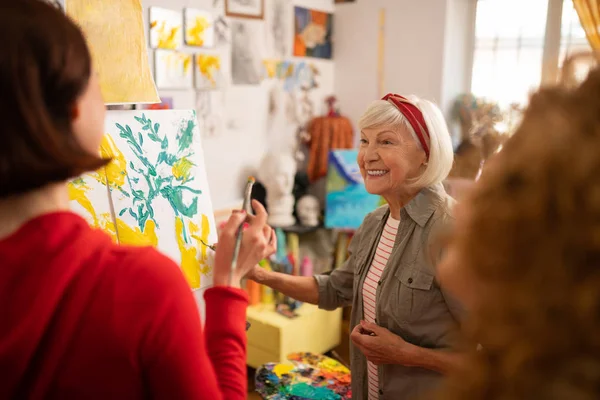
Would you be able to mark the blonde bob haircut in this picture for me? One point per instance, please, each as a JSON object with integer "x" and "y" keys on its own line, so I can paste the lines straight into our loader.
{"x": 382, "y": 113}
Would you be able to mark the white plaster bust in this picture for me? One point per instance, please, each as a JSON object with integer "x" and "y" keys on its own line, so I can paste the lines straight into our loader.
{"x": 276, "y": 173}
{"x": 308, "y": 210}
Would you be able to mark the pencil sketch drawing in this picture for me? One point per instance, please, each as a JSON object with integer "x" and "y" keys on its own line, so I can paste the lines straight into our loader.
{"x": 246, "y": 56}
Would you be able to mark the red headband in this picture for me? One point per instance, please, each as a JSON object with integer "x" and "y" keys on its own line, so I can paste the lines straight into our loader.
{"x": 414, "y": 116}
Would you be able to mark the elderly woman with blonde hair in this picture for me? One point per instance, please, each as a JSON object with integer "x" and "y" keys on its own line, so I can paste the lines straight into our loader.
{"x": 403, "y": 321}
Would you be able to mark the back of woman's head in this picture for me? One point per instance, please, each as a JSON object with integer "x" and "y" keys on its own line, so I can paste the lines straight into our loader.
{"x": 44, "y": 67}
{"x": 532, "y": 243}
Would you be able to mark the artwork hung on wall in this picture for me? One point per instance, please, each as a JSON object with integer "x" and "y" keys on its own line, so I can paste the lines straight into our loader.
{"x": 208, "y": 72}
{"x": 159, "y": 187}
{"x": 278, "y": 28}
{"x": 246, "y": 52}
{"x": 347, "y": 202}
{"x": 313, "y": 33}
{"x": 165, "y": 28}
{"x": 210, "y": 110}
{"x": 245, "y": 8}
{"x": 114, "y": 32}
{"x": 199, "y": 28}
{"x": 173, "y": 70}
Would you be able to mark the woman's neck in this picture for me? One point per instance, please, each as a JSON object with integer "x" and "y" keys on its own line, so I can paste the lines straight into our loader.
{"x": 397, "y": 201}
{"x": 17, "y": 210}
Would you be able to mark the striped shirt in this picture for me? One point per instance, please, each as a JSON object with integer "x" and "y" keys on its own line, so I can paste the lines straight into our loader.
{"x": 369, "y": 289}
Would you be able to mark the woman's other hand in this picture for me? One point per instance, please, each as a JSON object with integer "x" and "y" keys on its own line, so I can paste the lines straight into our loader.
{"x": 380, "y": 346}
{"x": 258, "y": 242}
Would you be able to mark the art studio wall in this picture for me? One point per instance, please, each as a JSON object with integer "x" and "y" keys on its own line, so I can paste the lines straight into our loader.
{"x": 427, "y": 48}
{"x": 246, "y": 118}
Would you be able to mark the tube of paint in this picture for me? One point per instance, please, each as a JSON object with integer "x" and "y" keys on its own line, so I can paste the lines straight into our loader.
{"x": 307, "y": 267}
{"x": 267, "y": 296}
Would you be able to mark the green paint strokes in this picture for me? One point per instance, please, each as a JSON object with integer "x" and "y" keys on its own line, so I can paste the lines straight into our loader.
{"x": 186, "y": 135}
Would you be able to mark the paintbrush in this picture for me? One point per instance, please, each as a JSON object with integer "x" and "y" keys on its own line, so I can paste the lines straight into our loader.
{"x": 238, "y": 239}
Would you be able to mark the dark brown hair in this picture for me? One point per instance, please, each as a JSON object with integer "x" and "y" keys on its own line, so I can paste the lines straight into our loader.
{"x": 532, "y": 240}
{"x": 45, "y": 66}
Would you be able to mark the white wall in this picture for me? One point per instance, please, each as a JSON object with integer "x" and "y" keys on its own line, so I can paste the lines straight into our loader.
{"x": 427, "y": 50}
{"x": 237, "y": 151}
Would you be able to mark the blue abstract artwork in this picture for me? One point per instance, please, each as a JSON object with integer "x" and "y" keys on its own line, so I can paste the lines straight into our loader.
{"x": 347, "y": 201}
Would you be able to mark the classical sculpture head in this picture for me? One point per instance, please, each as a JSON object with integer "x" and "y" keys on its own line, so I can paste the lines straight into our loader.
{"x": 308, "y": 210}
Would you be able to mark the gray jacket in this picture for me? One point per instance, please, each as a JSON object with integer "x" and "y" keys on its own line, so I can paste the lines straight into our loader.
{"x": 410, "y": 302}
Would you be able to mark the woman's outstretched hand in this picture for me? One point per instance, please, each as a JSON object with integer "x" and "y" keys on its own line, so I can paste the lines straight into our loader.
{"x": 258, "y": 243}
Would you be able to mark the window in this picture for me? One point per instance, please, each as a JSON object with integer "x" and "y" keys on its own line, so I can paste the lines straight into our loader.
{"x": 510, "y": 41}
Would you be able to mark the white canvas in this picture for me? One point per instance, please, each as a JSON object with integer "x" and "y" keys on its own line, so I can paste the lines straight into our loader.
{"x": 173, "y": 70}
{"x": 163, "y": 199}
{"x": 199, "y": 28}
{"x": 166, "y": 28}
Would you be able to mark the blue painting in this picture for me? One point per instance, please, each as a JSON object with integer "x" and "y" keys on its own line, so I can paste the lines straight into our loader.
{"x": 347, "y": 201}
{"x": 313, "y": 33}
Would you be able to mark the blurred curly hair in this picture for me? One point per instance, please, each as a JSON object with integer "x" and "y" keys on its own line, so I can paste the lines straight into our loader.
{"x": 533, "y": 241}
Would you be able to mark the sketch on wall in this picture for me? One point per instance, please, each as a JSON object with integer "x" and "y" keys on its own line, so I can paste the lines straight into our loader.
{"x": 245, "y": 8}
{"x": 246, "y": 52}
{"x": 278, "y": 28}
{"x": 159, "y": 188}
{"x": 118, "y": 48}
{"x": 173, "y": 70}
{"x": 208, "y": 72}
{"x": 165, "y": 28}
{"x": 210, "y": 109}
{"x": 199, "y": 28}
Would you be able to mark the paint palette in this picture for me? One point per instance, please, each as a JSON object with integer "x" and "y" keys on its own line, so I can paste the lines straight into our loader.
{"x": 307, "y": 376}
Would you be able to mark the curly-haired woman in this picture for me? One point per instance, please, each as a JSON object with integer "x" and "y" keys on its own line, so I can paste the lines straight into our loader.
{"x": 525, "y": 257}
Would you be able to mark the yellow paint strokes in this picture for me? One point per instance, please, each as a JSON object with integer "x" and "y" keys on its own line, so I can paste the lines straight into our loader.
{"x": 195, "y": 34}
{"x": 182, "y": 169}
{"x": 115, "y": 34}
{"x": 209, "y": 66}
{"x": 116, "y": 170}
{"x": 78, "y": 191}
{"x": 106, "y": 224}
{"x": 194, "y": 255}
{"x": 333, "y": 366}
{"x": 271, "y": 68}
{"x": 187, "y": 62}
{"x": 282, "y": 369}
{"x": 133, "y": 236}
{"x": 167, "y": 36}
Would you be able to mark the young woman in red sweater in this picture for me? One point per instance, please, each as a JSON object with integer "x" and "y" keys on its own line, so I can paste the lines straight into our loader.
{"x": 82, "y": 317}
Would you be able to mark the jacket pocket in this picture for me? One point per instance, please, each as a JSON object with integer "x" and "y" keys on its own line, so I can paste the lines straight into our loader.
{"x": 412, "y": 294}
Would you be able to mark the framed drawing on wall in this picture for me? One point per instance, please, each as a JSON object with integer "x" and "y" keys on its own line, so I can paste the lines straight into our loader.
{"x": 245, "y": 8}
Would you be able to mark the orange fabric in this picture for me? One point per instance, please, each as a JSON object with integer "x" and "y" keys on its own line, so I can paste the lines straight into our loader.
{"x": 589, "y": 15}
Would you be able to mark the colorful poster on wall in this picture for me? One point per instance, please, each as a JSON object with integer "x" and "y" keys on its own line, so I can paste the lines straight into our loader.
{"x": 199, "y": 28}
{"x": 166, "y": 28}
{"x": 160, "y": 194}
{"x": 115, "y": 34}
{"x": 313, "y": 33}
{"x": 208, "y": 72}
{"x": 347, "y": 202}
{"x": 173, "y": 70}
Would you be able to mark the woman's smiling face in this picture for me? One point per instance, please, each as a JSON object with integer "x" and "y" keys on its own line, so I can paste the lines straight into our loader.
{"x": 389, "y": 157}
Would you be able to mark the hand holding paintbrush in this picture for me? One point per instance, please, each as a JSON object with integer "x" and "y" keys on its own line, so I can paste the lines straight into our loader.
{"x": 255, "y": 244}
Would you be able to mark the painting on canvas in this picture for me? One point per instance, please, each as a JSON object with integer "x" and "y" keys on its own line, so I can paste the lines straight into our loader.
{"x": 199, "y": 28}
{"x": 88, "y": 195}
{"x": 245, "y": 8}
{"x": 313, "y": 33}
{"x": 160, "y": 194}
{"x": 173, "y": 70}
{"x": 208, "y": 72}
{"x": 114, "y": 31}
{"x": 165, "y": 28}
{"x": 247, "y": 52}
{"x": 347, "y": 202}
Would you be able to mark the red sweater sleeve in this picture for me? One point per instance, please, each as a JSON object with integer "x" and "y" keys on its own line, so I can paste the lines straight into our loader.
{"x": 173, "y": 354}
{"x": 226, "y": 339}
